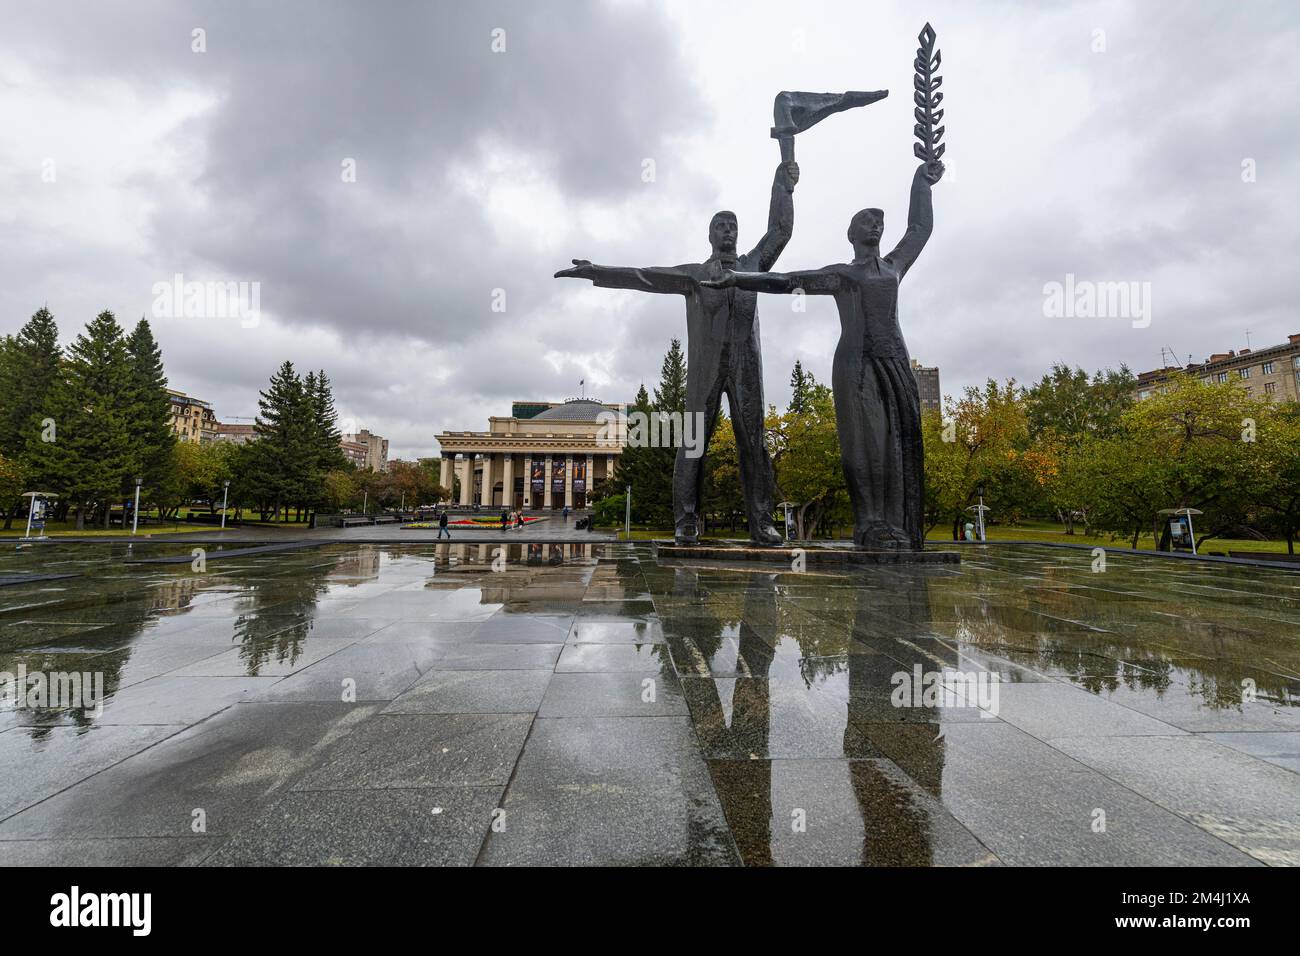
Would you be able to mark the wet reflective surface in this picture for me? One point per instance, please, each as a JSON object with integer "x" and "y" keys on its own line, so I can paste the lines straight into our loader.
{"x": 582, "y": 703}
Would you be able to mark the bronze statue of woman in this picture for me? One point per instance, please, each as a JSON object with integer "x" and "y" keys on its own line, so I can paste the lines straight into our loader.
{"x": 877, "y": 404}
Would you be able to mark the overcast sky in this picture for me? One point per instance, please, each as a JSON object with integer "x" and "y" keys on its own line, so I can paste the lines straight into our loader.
{"x": 1112, "y": 141}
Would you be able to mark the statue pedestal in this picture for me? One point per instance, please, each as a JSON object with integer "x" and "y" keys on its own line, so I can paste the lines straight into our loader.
{"x": 813, "y": 555}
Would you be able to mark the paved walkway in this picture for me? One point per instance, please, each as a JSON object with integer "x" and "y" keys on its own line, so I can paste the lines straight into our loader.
{"x": 583, "y": 704}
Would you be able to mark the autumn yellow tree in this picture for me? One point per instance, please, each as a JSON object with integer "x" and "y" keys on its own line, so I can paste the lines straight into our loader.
{"x": 979, "y": 440}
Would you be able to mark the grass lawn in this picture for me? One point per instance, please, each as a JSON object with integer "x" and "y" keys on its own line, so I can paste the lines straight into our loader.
{"x": 1046, "y": 532}
{"x": 1049, "y": 532}
{"x": 67, "y": 529}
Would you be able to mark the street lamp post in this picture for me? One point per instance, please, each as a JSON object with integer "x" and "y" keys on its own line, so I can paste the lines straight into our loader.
{"x": 135, "y": 512}
{"x": 627, "y": 513}
{"x": 365, "y": 502}
{"x": 225, "y": 498}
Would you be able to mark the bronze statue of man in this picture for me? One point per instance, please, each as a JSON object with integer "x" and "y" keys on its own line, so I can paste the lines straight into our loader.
{"x": 723, "y": 354}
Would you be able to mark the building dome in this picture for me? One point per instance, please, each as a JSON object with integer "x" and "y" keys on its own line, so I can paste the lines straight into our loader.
{"x": 574, "y": 410}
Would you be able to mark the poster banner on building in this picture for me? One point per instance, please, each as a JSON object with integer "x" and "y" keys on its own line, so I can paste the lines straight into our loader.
{"x": 580, "y": 476}
{"x": 557, "y": 476}
{"x": 538, "y": 478}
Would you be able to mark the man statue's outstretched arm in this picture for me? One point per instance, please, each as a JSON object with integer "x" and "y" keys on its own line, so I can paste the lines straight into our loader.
{"x": 920, "y": 218}
{"x": 662, "y": 279}
{"x": 780, "y": 218}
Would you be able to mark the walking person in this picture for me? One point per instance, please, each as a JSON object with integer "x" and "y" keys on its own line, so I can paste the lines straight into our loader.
{"x": 505, "y": 520}
{"x": 442, "y": 526}
{"x": 519, "y": 521}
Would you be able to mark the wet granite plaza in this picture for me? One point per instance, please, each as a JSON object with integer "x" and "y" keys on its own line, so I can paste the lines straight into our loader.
{"x": 585, "y": 704}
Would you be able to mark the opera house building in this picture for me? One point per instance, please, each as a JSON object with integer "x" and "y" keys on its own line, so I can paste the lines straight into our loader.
{"x": 544, "y": 456}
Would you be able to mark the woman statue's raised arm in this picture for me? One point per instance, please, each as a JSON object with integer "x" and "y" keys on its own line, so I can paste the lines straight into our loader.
{"x": 920, "y": 218}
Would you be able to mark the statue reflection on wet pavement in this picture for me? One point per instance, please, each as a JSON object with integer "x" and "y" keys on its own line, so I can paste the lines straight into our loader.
{"x": 791, "y": 704}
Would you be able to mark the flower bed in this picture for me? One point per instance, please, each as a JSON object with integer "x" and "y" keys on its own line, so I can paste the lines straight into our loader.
{"x": 480, "y": 522}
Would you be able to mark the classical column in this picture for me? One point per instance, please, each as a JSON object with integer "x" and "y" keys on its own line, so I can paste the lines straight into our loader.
{"x": 444, "y": 473}
{"x": 528, "y": 480}
{"x": 591, "y": 479}
{"x": 508, "y": 482}
{"x": 609, "y": 467}
{"x": 546, "y": 485}
{"x": 485, "y": 493}
{"x": 466, "y": 478}
{"x": 568, "y": 480}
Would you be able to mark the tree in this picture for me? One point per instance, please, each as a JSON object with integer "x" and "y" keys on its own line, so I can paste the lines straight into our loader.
{"x": 11, "y": 479}
{"x": 1276, "y": 485}
{"x": 325, "y": 432}
{"x": 609, "y": 511}
{"x": 199, "y": 473}
{"x": 1191, "y": 445}
{"x": 149, "y": 411}
{"x": 625, "y": 467}
{"x": 799, "y": 385}
{"x": 407, "y": 482}
{"x": 722, "y": 491}
{"x": 806, "y": 457}
{"x": 29, "y": 370}
{"x": 286, "y": 454}
{"x": 338, "y": 489}
{"x": 93, "y": 455}
{"x": 982, "y": 441}
{"x": 648, "y": 466}
{"x": 670, "y": 396}
{"x": 1115, "y": 482}
{"x": 1066, "y": 402}
{"x": 1203, "y": 436}
{"x": 29, "y": 366}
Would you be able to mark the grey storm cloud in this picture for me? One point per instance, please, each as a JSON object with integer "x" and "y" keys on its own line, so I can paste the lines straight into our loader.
{"x": 409, "y": 92}
{"x": 479, "y": 171}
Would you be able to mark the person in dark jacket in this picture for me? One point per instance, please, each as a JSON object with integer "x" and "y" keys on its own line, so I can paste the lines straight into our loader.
{"x": 442, "y": 526}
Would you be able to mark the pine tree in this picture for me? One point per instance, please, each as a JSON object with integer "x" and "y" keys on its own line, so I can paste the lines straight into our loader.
{"x": 799, "y": 385}
{"x": 92, "y": 456}
{"x": 325, "y": 423}
{"x": 649, "y": 470}
{"x": 153, "y": 439}
{"x": 323, "y": 436}
{"x": 284, "y": 452}
{"x": 29, "y": 369}
{"x": 631, "y": 464}
{"x": 670, "y": 396}
{"x": 29, "y": 364}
